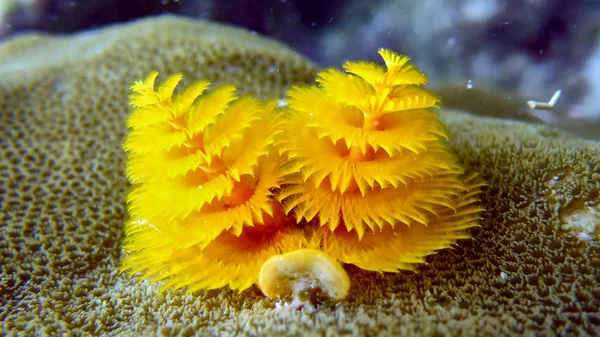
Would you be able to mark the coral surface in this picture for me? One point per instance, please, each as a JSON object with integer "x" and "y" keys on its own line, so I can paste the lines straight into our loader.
{"x": 532, "y": 268}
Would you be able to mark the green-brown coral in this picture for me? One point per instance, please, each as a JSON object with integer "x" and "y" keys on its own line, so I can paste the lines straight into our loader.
{"x": 531, "y": 270}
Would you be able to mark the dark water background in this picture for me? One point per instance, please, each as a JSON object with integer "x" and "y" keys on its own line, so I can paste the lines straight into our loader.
{"x": 528, "y": 48}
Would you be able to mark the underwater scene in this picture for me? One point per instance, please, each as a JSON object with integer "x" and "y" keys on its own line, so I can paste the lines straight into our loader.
{"x": 300, "y": 168}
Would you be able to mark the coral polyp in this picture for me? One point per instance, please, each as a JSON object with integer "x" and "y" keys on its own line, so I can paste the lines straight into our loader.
{"x": 232, "y": 191}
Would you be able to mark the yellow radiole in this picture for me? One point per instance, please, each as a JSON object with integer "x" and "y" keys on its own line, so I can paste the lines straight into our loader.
{"x": 232, "y": 191}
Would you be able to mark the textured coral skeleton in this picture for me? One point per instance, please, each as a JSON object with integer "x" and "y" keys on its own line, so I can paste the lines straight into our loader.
{"x": 355, "y": 167}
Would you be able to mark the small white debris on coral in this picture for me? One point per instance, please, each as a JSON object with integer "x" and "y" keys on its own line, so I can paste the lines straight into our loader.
{"x": 503, "y": 275}
{"x": 282, "y": 306}
{"x": 282, "y": 103}
{"x": 584, "y": 223}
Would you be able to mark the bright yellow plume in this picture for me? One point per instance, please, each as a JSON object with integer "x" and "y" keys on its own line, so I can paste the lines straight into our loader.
{"x": 203, "y": 170}
{"x": 355, "y": 170}
{"x": 368, "y": 161}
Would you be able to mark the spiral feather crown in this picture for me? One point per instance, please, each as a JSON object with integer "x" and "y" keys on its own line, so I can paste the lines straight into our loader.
{"x": 356, "y": 166}
{"x": 203, "y": 168}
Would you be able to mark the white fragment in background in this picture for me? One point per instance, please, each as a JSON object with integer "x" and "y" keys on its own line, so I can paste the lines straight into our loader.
{"x": 544, "y": 105}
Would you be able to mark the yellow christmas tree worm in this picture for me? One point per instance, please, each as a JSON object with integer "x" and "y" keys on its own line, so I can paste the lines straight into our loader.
{"x": 203, "y": 169}
{"x": 367, "y": 160}
{"x": 358, "y": 161}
